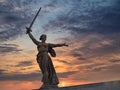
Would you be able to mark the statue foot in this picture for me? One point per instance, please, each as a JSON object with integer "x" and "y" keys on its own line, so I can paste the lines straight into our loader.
{"x": 47, "y": 86}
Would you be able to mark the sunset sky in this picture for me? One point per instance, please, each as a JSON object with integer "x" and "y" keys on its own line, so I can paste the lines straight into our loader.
{"x": 90, "y": 27}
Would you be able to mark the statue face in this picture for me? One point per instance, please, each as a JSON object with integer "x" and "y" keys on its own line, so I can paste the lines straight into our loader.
{"x": 43, "y": 37}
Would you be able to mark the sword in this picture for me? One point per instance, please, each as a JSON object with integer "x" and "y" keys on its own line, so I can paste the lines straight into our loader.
{"x": 29, "y": 28}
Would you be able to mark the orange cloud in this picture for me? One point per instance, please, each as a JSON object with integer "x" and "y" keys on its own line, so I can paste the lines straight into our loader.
{"x": 19, "y": 85}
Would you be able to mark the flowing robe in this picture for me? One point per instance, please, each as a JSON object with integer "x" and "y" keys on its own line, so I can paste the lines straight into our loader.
{"x": 46, "y": 65}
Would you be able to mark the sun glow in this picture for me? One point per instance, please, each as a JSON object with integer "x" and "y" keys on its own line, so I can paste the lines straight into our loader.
{"x": 62, "y": 84}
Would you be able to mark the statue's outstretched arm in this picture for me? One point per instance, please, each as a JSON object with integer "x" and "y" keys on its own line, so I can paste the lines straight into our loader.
{"x": 58, "y": 45}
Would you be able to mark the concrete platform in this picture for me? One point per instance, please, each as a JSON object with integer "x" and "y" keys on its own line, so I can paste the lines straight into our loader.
{"x": 113, "y": 85}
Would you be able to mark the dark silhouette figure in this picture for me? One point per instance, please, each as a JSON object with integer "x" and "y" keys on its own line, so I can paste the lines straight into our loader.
{"x": 49, "y": 78}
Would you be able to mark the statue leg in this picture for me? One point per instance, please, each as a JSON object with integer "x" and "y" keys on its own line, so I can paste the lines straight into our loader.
{"x": 53, "y": 79}
{"x": 49, "y": 78}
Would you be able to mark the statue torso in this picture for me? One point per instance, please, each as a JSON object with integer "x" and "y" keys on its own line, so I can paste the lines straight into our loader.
{"x": 42, "y": 47}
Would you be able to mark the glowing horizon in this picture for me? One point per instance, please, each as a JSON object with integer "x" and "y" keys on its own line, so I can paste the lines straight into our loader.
{"x": 90, "y": 27}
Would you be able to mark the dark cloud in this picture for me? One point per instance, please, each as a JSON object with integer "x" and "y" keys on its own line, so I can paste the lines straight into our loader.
{"x": 92, "y": 67}
{"x": 105, "y": 49}
{"x": 90, "y": 17}
{"x": 97, "y": 72}
{"x": 66, "y": 74}
{"x": 101, "y": 67}
{"x": 2, "y": 71}
{"x": 64, "y": 61}
{"x": 85, "y": 18}
{"x": 21, "y": 77}
{"x": 9, "y": 48}
{"x": 78, "y": 55}
{"x": 96, "y": 45}
{"x": 81, "y": 17}
{"x": 30, "y": 76}
{"x": 24, "y": 64}
{"x": 14, "y": 17}
{"x": 82, "y": 58}
{"x": 108, "y": 68}
{"x": 114, "y": 60}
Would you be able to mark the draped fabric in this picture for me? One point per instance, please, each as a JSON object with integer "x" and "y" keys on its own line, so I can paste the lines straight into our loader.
{"x": 47, "y": 69}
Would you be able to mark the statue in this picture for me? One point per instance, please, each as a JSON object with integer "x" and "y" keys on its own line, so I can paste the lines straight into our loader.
{"x": 49, "y": 79}
{"x": 44, "y": 61}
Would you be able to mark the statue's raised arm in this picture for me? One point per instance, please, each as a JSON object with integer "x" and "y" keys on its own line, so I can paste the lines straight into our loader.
{"x": 29, "y": 28}
{"x": 31, "y": 36}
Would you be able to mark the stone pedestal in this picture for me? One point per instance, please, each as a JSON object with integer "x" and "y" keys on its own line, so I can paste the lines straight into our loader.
{"x": 43, "y": 87}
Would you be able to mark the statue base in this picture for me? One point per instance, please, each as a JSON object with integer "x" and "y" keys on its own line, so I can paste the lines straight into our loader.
{"x": 47, "y": 87}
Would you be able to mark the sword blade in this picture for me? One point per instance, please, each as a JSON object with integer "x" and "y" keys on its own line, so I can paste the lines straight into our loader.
{"x": 34, "y": 18}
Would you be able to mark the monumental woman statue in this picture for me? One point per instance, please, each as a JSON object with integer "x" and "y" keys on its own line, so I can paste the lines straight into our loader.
{"x": 44, "y": 61}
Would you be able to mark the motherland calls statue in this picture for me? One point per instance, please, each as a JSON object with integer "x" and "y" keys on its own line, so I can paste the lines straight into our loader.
{"x": 49, "y": 78}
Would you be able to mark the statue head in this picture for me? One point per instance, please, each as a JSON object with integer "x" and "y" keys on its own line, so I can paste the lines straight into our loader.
{"x": 43, "y": 37}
